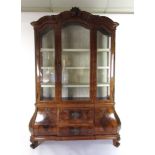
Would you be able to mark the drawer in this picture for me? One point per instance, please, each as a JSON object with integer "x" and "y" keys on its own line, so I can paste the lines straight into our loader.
{"x": 76, "y": 115}
{"x": 45, "y": 130}
{"x": 76, "y": 131}
{"x": 46, "y": 116}
{"x": 105, "y": 121}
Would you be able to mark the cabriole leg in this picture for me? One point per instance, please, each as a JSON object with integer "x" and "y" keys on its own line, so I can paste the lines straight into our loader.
{"x": 116, "y": 142}
{"x": 34, "y": 144}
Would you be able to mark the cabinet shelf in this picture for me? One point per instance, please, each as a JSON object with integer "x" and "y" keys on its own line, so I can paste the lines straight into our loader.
{"x": 76, "y": 67}
{"x": 99, "y": 67}
{"x": 47, "y": 67}
{"x": 47, "y": 50}
{"x": 86, "y": 50}
{"x": 103, "y": 67}
{"x": 74, "y": 50}
{"x": 103, "y": 85}
{"x": 85, "y": 85}
{"x": 103, "y": 50}
{"x": 48, "y": 85}
{"x": 75, "y": 85}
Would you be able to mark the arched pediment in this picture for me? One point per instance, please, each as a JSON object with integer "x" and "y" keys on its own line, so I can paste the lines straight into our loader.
{"x": 78, "y": 16}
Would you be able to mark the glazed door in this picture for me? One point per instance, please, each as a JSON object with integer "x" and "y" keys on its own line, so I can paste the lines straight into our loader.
{"x": 75, "y": 61}
{"x": 103, "y": 65}
{"x": 47, "y": 65}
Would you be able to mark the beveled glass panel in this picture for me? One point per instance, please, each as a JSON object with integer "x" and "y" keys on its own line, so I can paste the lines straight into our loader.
{"x": 47, "y": 74}
{"x": 75, "y": 62}
{"x": 103, "y": 65}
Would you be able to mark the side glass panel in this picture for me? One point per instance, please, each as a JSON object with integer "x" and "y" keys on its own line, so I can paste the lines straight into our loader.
{"x": 47, "y": 53}
{"x": 103, "y": 65}
{"x": 75, "y": 62}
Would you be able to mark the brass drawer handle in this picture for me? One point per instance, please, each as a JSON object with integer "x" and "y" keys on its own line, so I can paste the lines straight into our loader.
{"x": 75, "y": 131}
{"x": 75, "y": 115}
{"x": 46, "y": 126}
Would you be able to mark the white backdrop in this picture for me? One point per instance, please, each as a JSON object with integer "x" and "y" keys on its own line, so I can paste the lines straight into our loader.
{"x": 135, "y": 87}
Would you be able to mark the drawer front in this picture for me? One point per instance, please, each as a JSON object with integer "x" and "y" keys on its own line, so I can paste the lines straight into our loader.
{"x": 105, "y": 121}
{"x": 76, "y": 131}
{"x": 45, "y": 130}
{"x": 45, "y": 122}
{"x": 46, "y": 116}
{"x": 76, "y": 115}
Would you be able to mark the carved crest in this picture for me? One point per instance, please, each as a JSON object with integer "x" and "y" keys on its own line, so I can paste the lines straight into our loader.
{"x": 75, "y": 11}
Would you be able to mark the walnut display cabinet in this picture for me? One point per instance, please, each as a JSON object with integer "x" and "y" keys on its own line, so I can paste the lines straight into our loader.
{"x": 75, "y": 69}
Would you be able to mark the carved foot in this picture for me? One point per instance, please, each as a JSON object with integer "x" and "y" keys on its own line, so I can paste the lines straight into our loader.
{"x": 34, "y": 144}
{"x": 116, "y": 143}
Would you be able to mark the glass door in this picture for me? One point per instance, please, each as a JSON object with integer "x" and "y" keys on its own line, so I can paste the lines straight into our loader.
{"x": 75, "y": 63}
{"x": 103, "y": 65}
{"x": 47, "y": 68}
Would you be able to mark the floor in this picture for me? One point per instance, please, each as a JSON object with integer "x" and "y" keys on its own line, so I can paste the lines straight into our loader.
{"x": 87, "y": 147}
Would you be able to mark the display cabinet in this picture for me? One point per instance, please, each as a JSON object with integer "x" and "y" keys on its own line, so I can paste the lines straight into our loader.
{"x": 74, "y": 68}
